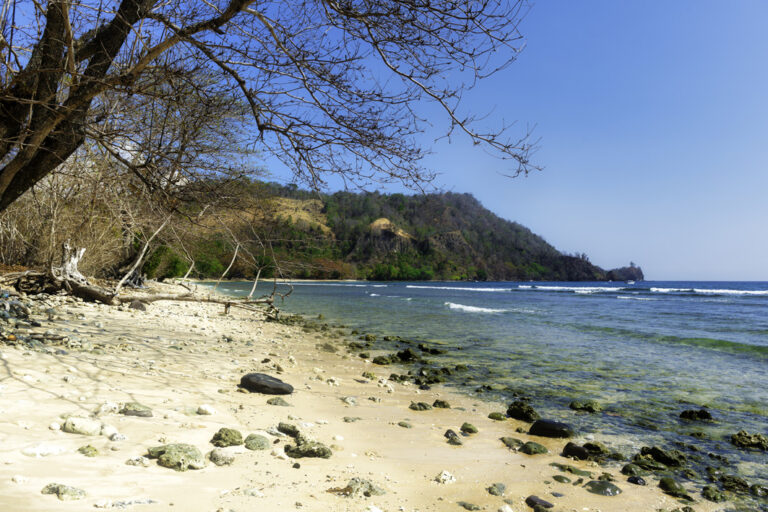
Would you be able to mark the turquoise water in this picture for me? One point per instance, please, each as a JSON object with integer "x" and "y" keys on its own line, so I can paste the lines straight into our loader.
{"x": 646, "y": 351}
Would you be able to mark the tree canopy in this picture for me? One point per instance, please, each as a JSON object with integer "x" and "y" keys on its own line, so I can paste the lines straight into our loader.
{"x": 174, "y": 89}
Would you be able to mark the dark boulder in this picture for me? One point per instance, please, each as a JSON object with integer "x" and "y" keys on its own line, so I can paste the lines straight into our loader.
{"x": 603, "y": 488}
{"x": 521, "y": 410}
{"x": 532, "y": 448}
{"x": 637, "y": 480}
{"x": 262, "y": 383}
{"x": 669, "y": 486}
{"x": 694, "y": 415}
{"x": 535, "y": 501}
{"x": 671, "y": 458}
{"x": 744, "y": 439}
{"x": 551, "y": 428}
{"x": 575, "y": 451}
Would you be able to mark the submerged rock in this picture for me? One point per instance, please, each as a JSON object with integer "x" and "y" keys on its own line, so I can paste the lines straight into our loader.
{"x": 671, "y": 458}
{"x": 64, "y": 492}
{"x": 262, "y": 383}
{"x": 256, "y": 442}
{"x": 694, "y": 415}
{"x": 734, "y": 483}
{"x": 521, "y": 410}
{"x": 586, "y": 406}
{"x": 712, "y": 493}
{"x": 551, "y": 428}
{"x": 177, "y": 456}
{"x": 744, "y": 439}
{"x": 227, "y": 437}
{"x": 602, "y": 488}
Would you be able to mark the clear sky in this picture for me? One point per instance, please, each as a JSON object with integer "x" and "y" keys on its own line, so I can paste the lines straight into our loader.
{"x": 653, "y": 127}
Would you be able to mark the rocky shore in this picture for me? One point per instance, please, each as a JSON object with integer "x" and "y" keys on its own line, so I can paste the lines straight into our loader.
{"x": 176, "y": 406}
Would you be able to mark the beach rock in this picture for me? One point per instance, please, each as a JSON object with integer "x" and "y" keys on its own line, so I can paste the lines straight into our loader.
{"x": 637, "y": 480}
{"x": 177, "y": 456}
{"x": 83, "y": 426}
{"x": 263, "y": 383}
{"x": 521, "y": 410}
{"x": 512, "y": 443}
{"x": 534, "y": 501}
{"x": 407, "y": 356}
{"x": 575, "y": 451}
{"x": 288, "y": 429}
{"x": 138, "y": 305}
{"x": 497, "y": 416}
{"x": 712, "y": 493}
{"x": 571, "y": 469}
{"x": 349, "y": 400}
{"x": 136, "y": 409}
{"x": 420, "y": 406}
{"x": 602, "y": 488}
{"x": 694, "y": 415}
{"x": 278, "y": 401}
{"x": 404, "y": 424}
{"x": 505, "y": 508}
{"x": 671, "y": 487}
{"x": 256, "y": 442}
{"x": 382, "y": 360}
{"x": 88, "y": 450}
{"x": 562, "y": 479}
{"x": 647, "y": 463}
{"x": 671, "y": 458}
{"x": 360, "y": 487}
{"x": 206, "y": 410}
{"x": 453, "y": 438}
{"x": 531, "y": 448}
{"x": 441, "y": 404}
{"x": 221, "y": 457}
{"x": 306, "y": 447}
{"x": 64, "y": 492}
{"x": 445, "y": 478}
{"x": 758, "y": 490}
{"x": 138, "y": 461}
{"x": 467, "y": 506}
{"x": 469, "y": 428}
{"x": 734, "y": 483}
{"x": 227, "y": 437}
{"x": 496, "y": 489}
{"x": 586, "y": 406}
{"x": 551, "y": 428}
{"x": 744, "y": 439}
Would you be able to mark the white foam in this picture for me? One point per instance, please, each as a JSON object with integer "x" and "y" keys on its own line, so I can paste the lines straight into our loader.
{"x": 575, "y": 289}
{"x": 633, "y": 298}
{"x": 474, "y": 309}
{"x": 460, "y": 288}
{"x": 710, "y": 291}
{"x": 375, "y": 295}
{"x": 670, "y": 290}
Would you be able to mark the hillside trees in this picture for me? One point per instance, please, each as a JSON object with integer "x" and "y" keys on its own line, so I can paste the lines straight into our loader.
{"x": 330, "y": 87}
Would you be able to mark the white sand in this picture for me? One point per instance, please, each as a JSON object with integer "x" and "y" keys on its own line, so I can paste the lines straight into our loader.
{"x": 138, "y": 364}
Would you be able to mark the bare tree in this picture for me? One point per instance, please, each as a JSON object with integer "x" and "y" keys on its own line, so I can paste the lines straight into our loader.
{"x": 330, "y": 86}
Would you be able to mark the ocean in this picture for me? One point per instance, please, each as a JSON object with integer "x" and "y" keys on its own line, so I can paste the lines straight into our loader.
{"x": 646, "y": 351}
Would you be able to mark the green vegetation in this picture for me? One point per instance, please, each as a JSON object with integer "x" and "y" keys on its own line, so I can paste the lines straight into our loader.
{"x": 384, "y": 237}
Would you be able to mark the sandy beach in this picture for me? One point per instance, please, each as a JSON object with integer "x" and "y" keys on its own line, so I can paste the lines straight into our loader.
{"x": 183, "y": 359}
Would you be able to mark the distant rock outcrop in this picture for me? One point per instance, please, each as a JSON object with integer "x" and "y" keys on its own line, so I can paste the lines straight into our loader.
{"x": 630, "y": 273}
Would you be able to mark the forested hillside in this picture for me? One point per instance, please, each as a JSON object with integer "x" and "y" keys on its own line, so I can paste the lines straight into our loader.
{"x": 445, "y": 236}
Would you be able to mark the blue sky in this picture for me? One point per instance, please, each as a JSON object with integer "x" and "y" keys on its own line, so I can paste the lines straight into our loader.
{"x": 653, "y": 127}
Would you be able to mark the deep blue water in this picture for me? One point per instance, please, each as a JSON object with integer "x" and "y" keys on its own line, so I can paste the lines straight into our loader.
{"x": 646, "y": 351}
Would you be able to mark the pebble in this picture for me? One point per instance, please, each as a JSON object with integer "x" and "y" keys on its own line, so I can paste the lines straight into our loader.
{"x": 43, "y": 450}
{"x": 349, "y": 400}
{"x": 206, "y": 410}
{"x": 445, "y": 478}
{"x": 54, "y": 426}
{"x": 83, "y": 426}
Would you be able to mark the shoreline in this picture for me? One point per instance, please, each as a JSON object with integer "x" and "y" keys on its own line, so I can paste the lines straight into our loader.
{"x": 176, "y": 357}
